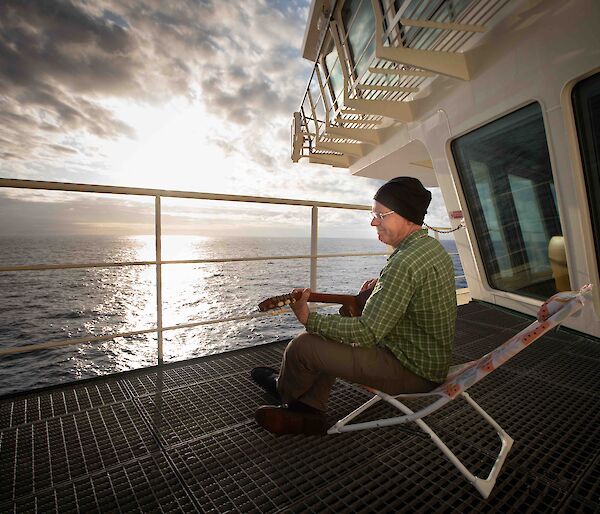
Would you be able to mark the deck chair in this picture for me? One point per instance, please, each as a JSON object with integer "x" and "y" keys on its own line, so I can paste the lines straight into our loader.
{"x": 553, "y": 312}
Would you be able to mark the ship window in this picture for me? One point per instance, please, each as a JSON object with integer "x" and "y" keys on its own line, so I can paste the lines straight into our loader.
{"x": 359, "y": 25}
{"x": 504, "y": 168}
{"x": 586, "y": 103}
{"x": 333, "y": 70}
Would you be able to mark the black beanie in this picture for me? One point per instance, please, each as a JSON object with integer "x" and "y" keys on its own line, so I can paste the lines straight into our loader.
{"x": 406, "y": 196}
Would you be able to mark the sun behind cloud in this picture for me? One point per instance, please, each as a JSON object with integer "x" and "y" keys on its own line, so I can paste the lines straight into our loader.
{"x": 174, "y": 149}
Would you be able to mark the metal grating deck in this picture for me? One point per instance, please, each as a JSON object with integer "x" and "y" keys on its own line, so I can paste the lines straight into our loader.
{"x": 183, "y": 439}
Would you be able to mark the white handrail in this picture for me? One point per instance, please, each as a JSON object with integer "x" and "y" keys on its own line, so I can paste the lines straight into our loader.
{"x": 168, "y": 193}
{"x": 159, "y": 262}
{"x": 44, "y": 267}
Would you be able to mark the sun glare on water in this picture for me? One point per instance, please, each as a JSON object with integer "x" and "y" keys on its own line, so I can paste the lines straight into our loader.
{"x": 131, "y": 294}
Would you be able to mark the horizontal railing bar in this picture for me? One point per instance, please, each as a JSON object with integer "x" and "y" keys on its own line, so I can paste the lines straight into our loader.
{"x": 382, "y": 87}
{"x": 273, "y": 258}
{"x": 70, "y": 342}
{"x": 442, "y": 25}
{"x": 396, "y": 71}
{"x": 120, "y": 190}
{"x": 43, "y": 267}
{"x": 108, "y": 337}
{"x": 276, "y": 312}
{"x": 224, "y": 320}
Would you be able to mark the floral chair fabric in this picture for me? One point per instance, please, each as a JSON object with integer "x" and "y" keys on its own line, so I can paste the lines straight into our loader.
{"x": 552, "y": 313}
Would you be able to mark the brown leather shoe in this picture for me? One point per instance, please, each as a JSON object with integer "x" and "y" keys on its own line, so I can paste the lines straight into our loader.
{"x": 282, "y": 419}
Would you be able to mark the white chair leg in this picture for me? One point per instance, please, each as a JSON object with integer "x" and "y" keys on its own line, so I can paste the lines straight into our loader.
{"x": 336, "y": 429}
{"x": 484, "y": 486}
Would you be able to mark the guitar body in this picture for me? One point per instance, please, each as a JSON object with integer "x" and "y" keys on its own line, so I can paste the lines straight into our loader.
{"x": 352, "y": 305}
{"x": 360, "y": 301}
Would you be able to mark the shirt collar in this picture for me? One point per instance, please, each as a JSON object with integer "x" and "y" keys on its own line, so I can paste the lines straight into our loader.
{"x": 407, "y": 241}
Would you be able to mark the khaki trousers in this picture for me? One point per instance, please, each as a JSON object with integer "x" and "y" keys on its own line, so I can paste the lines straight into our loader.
{"x": 311, "y": 364}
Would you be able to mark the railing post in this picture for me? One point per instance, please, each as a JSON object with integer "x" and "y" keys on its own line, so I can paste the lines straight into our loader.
{"x": 157, "y": 237}
{"x": 314, "y": 231}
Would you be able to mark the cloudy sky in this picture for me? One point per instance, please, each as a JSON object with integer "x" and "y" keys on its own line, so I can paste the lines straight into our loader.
{"x": 190, "y": 95}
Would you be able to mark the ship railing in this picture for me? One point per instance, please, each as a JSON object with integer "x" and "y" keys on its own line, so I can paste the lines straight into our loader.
{"x": 158, "y": 261}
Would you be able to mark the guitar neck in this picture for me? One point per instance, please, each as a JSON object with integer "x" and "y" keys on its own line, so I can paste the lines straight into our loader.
{"x": 331, "y": 298}
{"x": 351, "y": 305}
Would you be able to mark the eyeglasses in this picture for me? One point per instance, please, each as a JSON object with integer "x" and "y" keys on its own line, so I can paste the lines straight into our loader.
{"x": 380, "y": 215}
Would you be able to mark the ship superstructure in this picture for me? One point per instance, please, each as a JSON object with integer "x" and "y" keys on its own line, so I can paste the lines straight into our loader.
{"x": 493, "y": 101}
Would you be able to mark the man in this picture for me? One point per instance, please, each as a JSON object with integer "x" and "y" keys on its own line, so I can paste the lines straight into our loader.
{"x": 401, "y": 343}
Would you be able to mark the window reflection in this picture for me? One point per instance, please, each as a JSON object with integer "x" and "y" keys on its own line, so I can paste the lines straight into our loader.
{"x": 334, "y": 77}
{"x": 586, "y": 103}
{"x": 359, "y": 23}
{"x": 505, "y": 172}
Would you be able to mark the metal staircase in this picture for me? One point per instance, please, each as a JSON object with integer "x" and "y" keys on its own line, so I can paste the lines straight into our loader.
{"x": 352, "y": 97}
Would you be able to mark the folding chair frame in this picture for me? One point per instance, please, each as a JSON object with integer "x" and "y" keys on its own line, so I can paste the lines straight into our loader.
{"x": 551, "y": 314}
{"x": 484, "y": 486}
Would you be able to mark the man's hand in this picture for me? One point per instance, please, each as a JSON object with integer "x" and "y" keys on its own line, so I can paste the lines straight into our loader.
{"x": 300, "y": 307}
{"x": 369, "y": 284}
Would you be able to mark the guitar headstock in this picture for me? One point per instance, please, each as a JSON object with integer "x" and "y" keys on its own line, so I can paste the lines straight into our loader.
{"x": 276, "y": 302}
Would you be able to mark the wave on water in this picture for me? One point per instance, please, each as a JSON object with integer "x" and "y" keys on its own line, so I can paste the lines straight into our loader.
{"x": 42, "y": 306}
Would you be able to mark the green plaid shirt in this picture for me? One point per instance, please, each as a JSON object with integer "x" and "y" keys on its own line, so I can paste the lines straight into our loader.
{"x": 412, "y": 309}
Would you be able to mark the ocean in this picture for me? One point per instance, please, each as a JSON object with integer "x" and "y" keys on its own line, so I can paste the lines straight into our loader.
{"x": 40, "y": 306}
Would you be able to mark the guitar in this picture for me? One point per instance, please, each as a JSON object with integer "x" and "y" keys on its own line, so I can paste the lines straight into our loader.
{"x": 352, "y": 305}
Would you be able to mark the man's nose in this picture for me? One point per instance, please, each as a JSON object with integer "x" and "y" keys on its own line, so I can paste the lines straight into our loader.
{"x": 375, "y": 222}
